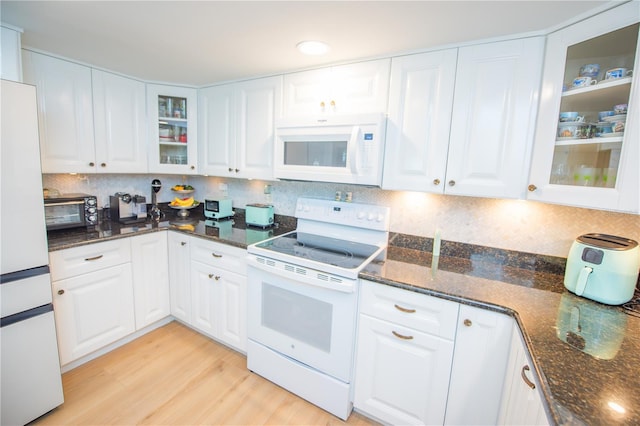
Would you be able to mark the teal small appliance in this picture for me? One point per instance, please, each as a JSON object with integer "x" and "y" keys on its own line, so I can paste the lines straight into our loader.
{"x": 603, "y": 268}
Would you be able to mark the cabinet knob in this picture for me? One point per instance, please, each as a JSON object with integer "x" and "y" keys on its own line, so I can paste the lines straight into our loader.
{"x": 215, "y": 277}
{"x": 532, "y": 188}
{"x": 183, "y": 243}
{"x": 436, "y": 182}
{"x": 61, "y": 292}
{"x": 523, "y": 374}
{"x": 333, "y": 104}
{"x": 193, "y": 167}
{"x": 237, "y": 170}
{"x": 103, "y": 164}
{"x": 467, "y": 322}
{"x": 452, "y": 183}
{"x": 322, "y": 104}
{"x": 230, "y": 169}
{"x": 92, "y": 164}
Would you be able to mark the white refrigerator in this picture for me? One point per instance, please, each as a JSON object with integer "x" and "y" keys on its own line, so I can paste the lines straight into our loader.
{"x": 31, "y": 379}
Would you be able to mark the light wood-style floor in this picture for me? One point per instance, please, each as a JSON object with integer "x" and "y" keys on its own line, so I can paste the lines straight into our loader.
{"x": 175, "y": 376}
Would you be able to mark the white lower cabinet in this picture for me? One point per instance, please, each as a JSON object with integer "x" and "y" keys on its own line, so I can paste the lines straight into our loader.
{"x": 179, "y": 275}
{"x": 93, "y": 310}
{"x": 522, "y": 403}
{"x": 150, "y": 278}
{"x": 208, "y": 288}
{"x": 403, "y": 355}
{"x": 479, "y": 364}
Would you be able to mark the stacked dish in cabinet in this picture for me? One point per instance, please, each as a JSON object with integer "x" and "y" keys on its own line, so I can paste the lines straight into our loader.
{"x": 593, "y": 109}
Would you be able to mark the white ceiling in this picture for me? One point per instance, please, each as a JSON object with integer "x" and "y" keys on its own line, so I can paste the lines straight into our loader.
{"x": 203, "y": 42}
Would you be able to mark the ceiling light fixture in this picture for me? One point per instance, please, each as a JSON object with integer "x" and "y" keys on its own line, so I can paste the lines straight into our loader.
{"x": 312, "y": 47}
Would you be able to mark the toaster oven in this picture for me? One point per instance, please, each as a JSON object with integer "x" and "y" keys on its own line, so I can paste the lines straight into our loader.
{"x": 71, "y": 211}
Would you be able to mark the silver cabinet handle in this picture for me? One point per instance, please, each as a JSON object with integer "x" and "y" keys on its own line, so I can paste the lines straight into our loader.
{"x": 89, "y": 259}
{"x": 406, "y": 310}
{"x": 523, "y": 374}
{"x": 216, "y": 255}
{"x": 401, "y": 336}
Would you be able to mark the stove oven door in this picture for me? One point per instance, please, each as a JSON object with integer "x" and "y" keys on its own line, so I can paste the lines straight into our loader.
{"x": 308, "y": 323}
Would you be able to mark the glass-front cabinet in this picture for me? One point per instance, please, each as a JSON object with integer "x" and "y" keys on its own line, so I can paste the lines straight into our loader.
{"x": 586, "y": 150}
{"x": 172, "y": 132}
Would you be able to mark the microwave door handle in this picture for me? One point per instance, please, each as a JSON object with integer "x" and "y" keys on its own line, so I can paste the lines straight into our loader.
{"x": 353, "y": 149}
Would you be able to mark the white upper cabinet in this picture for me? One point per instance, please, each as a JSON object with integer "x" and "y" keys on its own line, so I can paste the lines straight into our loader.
{"x": 463, "y": 127}
{"x": 494, "y": 111}
{"x": 119, "y": 112}
{"x": 65, "y": 113}
{"x": 355, "y": 88}
{"x": 592, "y": 163}
{"x": 90, "y": 121}
{"x": 420, "y": 105}
{"x": 11, "y": 68}
{"x": 173, "y": 139}
{"x": 237, "y": 128}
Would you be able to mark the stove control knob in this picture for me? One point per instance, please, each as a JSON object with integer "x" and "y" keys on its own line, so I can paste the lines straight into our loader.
{"x": 360, "y": 215}
{"x": 371, "y": 216}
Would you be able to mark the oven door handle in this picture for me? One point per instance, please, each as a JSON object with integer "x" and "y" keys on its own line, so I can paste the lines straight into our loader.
{"x": 317, "y": 279}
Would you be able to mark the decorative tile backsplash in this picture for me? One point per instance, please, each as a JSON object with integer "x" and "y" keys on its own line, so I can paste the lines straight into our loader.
{"x": 506, "y": 224}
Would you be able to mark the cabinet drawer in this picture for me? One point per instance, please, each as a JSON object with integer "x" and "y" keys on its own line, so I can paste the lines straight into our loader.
{"x": 80, "y": 260}
{"x": 220, "y": 255}
{"x": 421, "y": 312}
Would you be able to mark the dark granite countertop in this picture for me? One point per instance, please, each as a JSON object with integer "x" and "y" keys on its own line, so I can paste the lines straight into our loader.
{"x": 578, "y": 385}
{"x": 233, "y": 231}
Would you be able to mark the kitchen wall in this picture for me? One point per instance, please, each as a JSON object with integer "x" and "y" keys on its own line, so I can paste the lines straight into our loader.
{"x": 508, "y": 224}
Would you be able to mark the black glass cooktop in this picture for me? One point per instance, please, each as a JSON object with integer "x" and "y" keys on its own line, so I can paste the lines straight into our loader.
{"x": 327, "y": 250}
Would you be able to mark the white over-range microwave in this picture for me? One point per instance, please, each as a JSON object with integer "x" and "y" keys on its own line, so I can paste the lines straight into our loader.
{"x": 341, "y": 149}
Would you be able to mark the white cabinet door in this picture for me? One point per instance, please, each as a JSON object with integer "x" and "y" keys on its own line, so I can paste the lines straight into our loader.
{"x": 402, "y": 375}
{"x": 231, "y": 291}
{"x": 355, "y": 88}
{"x": 11, "y": 68}
{"x": 179, "y": 275}
{"x": 237, "y": 128}
{"x": 119, "y": 111}
{"x": 494, "y": 111}
{"x": 65, "y": 113}
{"x": 259, "y": 104}
{"x": 173, "y": 137}
{"x": 420, "y": 105}
{"x": 93, "y": 310}
{"x": 149, "y": 257}
{"x": 479, "y": 362}
{"x": 217, "y": 129}
{"x": 203, "y": 298}
{"x": 522, "y": 403}
{"x": 609, "y": 39}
